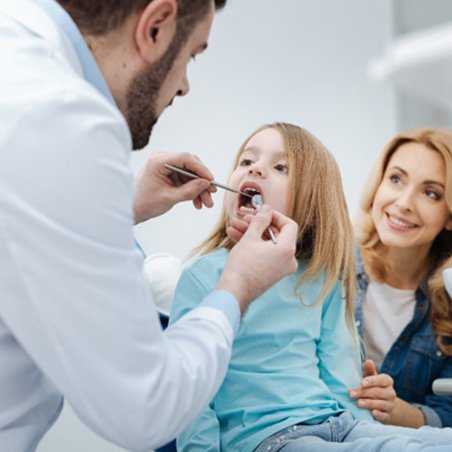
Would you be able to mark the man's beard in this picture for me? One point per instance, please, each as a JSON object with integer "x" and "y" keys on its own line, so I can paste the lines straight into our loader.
{"x": 142, "y": 94}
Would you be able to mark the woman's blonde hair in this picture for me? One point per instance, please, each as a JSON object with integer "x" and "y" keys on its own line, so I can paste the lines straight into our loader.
{"x": 316, "y": 202}
{"x": 440, "y": 256}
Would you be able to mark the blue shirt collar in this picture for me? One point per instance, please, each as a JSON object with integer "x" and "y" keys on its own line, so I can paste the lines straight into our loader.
{"x": 91, "y": 71}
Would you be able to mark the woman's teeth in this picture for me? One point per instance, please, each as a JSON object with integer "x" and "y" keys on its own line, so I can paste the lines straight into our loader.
{"x": 400, "y": 223}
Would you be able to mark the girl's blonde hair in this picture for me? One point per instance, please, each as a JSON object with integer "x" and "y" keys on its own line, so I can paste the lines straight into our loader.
{"x": 316, "y": 202}
{"x": 440, "y": 256}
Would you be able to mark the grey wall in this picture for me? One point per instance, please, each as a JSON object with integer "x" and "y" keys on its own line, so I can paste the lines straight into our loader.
{"x": 290, "y": 60}
{"x": 411, "y": 16}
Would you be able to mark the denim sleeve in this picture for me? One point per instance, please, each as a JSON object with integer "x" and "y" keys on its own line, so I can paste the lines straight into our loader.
{"x": 430, "y": 415}
{"x": 438, "y": 408}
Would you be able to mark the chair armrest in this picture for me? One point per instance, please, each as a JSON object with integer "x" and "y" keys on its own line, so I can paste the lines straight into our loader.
{"x": 442, "y": 386}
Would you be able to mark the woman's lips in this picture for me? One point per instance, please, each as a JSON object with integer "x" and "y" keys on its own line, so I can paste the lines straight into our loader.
{"x": 399, "y": 223}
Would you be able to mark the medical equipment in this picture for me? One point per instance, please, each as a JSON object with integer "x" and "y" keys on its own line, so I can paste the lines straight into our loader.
{"x": 195, "y": 176}
{"x": 257, "y": 203}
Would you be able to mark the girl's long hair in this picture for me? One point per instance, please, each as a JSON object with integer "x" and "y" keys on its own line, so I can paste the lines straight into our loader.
{"x": 317, "y": 203}
{"x": 440, "y": 256}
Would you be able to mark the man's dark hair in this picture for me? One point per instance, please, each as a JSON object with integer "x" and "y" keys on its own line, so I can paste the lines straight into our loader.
{"x": 99, "y": 17}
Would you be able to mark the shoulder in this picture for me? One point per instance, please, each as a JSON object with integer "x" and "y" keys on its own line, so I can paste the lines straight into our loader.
{"x": 208, "y": 265}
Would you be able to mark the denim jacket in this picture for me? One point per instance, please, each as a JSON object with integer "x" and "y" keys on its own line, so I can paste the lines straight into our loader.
{"x": 414, "y": 361}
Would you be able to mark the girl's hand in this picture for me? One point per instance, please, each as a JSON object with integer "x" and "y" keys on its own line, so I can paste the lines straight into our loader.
{"x": 376, "y": 394}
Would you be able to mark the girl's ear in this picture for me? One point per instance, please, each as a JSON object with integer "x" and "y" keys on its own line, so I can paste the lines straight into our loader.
{"x": 155, "y": 29}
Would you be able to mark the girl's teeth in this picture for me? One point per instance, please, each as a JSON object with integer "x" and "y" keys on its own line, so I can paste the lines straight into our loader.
{"x": 400, "y": 223}
{"x": 247, "y": 209}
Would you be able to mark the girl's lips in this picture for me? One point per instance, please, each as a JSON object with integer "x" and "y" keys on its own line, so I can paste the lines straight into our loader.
{"x": 252, "y": 186}
{"x": 244, "y": 205}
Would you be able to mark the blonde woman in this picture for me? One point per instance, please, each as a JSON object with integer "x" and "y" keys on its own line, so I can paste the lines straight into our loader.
{"x": 296, "y": 354}
{"x": 403, "y": 311}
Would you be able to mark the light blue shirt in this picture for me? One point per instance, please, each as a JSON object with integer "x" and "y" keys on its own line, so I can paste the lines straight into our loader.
{"x": 293, "y": 361}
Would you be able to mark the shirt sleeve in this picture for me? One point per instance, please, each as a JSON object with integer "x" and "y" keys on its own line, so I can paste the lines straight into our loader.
{"x": 437, "y": 409}
{"x": 203, "y": 435}
{"x": 73, "y": 291}
{"x": 339, "y": 368}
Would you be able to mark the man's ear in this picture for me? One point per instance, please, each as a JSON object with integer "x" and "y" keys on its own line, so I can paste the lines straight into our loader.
{"x": 155, "y": 29}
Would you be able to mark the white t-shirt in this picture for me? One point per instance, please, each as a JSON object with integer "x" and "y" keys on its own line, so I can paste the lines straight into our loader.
{"x": 386, "y": 312}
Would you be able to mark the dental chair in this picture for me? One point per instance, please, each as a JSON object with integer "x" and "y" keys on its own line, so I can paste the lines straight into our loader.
{"x": 162, "y": 271}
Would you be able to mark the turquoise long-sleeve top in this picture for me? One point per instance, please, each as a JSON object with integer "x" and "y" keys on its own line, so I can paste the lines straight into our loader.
{"x": 293, "y": 360}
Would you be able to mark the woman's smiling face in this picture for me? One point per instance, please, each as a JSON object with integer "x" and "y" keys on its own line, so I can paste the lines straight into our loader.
{"x": 409, "y": 209}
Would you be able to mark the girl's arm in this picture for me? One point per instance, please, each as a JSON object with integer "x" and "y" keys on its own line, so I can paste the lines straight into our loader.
{"x": 338, "y": 351}
{"x": 203, "y": 435}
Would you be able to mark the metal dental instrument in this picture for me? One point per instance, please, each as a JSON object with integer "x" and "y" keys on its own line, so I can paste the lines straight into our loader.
{"x": 195, "y": 176}
{"x": 256, "y": 200}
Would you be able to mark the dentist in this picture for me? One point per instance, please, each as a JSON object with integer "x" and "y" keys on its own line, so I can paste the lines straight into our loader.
{"x": 82, "y": 83}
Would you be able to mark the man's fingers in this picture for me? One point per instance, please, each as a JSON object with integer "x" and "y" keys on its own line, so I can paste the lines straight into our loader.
{"x": 237, "y": 228}
{"x": 191, "y": 189}
{"x": 191, "y": 163}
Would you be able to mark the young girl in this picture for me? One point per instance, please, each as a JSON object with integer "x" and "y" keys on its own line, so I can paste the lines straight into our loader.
{"x": 403, "y": 309}
{"x": 296, "y": 354}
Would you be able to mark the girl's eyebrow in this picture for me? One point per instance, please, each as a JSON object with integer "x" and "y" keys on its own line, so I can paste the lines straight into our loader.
{"x": 279, "y": 154}
{"x": 425, "y": 182}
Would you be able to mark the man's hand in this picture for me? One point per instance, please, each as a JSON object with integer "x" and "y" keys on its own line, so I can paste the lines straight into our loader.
{"x": 377, "y": 394}
{"x": 256, "y": 263}
{"x": 158, "y": 189}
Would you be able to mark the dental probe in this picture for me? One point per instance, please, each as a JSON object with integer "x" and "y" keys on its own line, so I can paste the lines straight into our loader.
{"x": 195, "y": 176}
{"x": 256, "y": 200}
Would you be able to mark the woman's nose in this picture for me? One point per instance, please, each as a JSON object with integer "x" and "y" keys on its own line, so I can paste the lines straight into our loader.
{"x": 405, "y": 200}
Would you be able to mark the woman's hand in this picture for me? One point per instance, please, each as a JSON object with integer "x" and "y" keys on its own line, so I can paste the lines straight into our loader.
{"x": 377, "y": 394}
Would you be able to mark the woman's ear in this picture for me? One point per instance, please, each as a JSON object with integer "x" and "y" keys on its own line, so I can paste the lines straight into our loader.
{"x": 448, "y": 226}
{"x": 155, "y": 29}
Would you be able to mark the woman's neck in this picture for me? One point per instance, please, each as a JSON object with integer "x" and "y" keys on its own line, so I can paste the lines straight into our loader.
{"x": 406, "y": 268}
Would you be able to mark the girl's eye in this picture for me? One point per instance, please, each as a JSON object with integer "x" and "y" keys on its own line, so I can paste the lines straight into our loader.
{"x": 282, "y": 168}
{"x": 432, "y": 194}
{"x": 246, "y": 162}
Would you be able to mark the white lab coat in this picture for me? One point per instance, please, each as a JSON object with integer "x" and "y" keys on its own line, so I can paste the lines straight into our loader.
{"x": 76, "y": 315}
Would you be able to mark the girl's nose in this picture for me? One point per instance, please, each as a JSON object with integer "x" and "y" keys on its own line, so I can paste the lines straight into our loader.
{"x": 256, "y": 170}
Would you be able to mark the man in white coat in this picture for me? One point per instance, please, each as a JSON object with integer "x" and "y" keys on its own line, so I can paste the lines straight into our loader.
{"x": 82, "y": 83}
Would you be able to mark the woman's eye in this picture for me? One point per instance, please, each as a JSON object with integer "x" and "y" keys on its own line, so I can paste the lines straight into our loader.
{"x": 282, "y": 168}
{"x": 432, "y": 194}
{"x": 395, "y": 179}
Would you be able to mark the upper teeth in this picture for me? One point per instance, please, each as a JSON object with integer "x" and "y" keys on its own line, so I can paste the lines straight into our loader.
{"x": 251, "y": 191}
{"x": 398, "y": 222}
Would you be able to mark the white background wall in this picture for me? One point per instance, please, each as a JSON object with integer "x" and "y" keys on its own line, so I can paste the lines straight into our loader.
{"x": 298, "y": 61}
